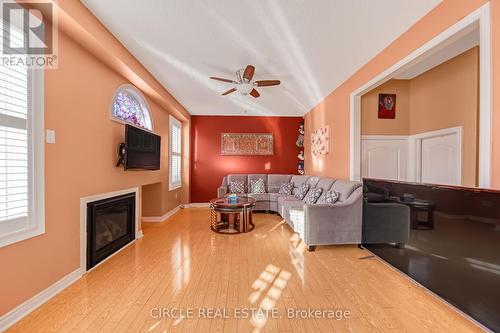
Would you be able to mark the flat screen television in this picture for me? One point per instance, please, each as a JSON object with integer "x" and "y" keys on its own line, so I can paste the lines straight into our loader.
{"x": 142, "y": 149}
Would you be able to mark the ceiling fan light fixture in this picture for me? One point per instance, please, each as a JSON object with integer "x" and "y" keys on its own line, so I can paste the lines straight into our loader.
{"x": 244, "y": 84}
{"x": 244, "y": 88}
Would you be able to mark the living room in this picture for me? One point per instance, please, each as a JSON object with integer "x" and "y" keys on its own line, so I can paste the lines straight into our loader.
{"x": 218, "y": 166}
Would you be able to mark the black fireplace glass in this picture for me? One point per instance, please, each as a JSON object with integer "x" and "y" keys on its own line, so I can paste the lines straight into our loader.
{"x": 110, "y": 226}
{"x": 446, "y": 238}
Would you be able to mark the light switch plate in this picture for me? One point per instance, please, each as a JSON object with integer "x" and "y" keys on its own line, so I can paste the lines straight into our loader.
{"x": 50, "y": 136}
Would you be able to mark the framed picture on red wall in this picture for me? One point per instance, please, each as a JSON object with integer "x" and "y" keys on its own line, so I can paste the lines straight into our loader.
{"x": 387, "y": 106}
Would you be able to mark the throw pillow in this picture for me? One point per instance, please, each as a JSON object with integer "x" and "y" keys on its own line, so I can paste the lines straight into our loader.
{"x": 312, "y": 196}
{"x": 286, "y": 189}
{"x": 257, "y": 186}
{"x": 237, "y": 186}
{"x": 330, "y": 197}
{"x": 302, "y": 191}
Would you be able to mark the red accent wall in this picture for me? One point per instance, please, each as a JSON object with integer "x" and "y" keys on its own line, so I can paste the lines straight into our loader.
{"x": 208, "y": 167}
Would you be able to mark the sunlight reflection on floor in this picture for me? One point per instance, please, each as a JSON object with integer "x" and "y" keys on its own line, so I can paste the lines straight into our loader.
{"x": 274, "y": 280}
{"x": 296, "y": 250}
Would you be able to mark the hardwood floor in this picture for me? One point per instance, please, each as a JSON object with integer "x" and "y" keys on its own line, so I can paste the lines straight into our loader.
{"x": 181, "y": 265}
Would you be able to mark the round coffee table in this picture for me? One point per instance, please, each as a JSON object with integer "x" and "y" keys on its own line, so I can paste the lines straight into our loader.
{"x": 232, "y": 218}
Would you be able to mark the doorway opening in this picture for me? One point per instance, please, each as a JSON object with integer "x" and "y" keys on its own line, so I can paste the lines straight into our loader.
{"x": 421, "y": 134}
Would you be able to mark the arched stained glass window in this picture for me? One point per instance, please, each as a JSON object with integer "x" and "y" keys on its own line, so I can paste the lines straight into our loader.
{"x": 130, "y": 106}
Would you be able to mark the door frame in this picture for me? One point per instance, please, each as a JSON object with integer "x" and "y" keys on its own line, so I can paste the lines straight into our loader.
{"x": 480, "y": 16}
{"x": 415, "y": 152}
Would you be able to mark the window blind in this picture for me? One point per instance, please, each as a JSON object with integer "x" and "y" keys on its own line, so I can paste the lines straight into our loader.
{"x": 175, "y": 153}
{"x": 22, "y": 205}
{"x": 14, "y": 133}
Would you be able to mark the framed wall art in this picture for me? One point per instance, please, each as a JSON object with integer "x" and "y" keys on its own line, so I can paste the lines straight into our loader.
{"x": 247, "y": 144}
{"x": 387, "y": 106}
{"x": 320, "y": 141}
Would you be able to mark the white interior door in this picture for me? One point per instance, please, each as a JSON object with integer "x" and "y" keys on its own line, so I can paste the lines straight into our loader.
{"x": 441, "y": 159}
{"x": 384, "y": 157}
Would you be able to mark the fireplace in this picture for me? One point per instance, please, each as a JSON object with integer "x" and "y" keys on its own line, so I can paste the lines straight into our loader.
{"x": 110, "y": 226}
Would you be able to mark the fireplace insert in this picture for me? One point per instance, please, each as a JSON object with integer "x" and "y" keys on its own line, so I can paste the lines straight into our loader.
{"x": 110, "y": 226}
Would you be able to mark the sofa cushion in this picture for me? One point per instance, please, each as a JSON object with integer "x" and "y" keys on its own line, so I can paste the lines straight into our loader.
{"x": 259, "y": 196}
{"x": 286, "y": 188}
{"x": 345, "y": 188}
{"x": 273, "y": 197}
{"x": 239, "y": 177}
{"x": 224, "y": 181}
{"x": 302, "y": 191}
{"x": 325, "y": 184}
{"x": 257, "y": 186}
{"x": 312, "y": 195}
{"x": 373, "y": 197}
{"x": 274, "y": 182}
{"x": 313, "y": 181}
{"x": 297, "y": 181}
{"x": 329, "y": 197}
{"x": 257, "y": 176}
{"x": 237, "y": 186}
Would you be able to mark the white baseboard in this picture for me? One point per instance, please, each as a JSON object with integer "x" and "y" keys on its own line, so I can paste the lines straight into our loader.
{"x": 161, "y": 218}
{"x": 139, "y": 234}
{"x": 16, "y": 314}
{"x": 199, "y": 205}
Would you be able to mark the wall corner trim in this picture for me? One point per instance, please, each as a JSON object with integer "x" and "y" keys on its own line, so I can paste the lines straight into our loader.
{"x": 140, "y": 234}
{"x": 21, "y": 311}
{"x": 162, "y": 218}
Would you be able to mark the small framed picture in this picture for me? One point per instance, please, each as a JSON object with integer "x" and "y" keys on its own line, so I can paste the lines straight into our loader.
{"x": 387, "y": 106}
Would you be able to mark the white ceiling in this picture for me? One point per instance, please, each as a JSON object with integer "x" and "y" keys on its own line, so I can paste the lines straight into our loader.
{"x": 311, "y": 46}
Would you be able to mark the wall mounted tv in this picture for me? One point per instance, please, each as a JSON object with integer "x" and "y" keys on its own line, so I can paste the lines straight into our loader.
{"x": 142, "y": 149}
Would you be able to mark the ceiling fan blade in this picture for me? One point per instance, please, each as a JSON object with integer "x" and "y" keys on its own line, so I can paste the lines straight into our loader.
{"x": 223, "y": 80}
{"x": 248, "y": 73}
{"x": 254, "y": 93}
{"x": 229, "y": 91}
{"x": 267, "y": 83}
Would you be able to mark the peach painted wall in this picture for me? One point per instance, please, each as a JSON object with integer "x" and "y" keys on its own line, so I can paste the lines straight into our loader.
{"x": 372, "y": 125}
{"x": 81, "y": 163}
{"x": 334, "y": 109}
{"x": 448, "y": 96}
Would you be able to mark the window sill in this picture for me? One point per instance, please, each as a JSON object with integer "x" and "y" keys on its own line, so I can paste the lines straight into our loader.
{"x": 20, "y": 236}
{"x": 174, "y": 187}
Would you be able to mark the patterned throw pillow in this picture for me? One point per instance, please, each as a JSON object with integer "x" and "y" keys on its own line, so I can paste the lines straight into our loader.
{"x": 286, "y": 189}
{"x": 257, "y": 186}
{"x": 302, "y": 191}
{"x": 237, "y": 186}
{"x": 330, "y": 197}
{"x": 312, "y": 196}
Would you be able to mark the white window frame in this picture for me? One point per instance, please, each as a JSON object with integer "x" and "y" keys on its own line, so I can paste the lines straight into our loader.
{"x": 132, "y": 90}
{"x": 34, "y": 224}
{"x": 174, "y": 122}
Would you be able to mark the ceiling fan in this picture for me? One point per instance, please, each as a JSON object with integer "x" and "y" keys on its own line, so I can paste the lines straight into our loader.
{"x": 244, "y": 83}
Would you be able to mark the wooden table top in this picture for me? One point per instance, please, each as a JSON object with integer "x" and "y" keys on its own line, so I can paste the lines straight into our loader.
{"x": 243, "y": 201}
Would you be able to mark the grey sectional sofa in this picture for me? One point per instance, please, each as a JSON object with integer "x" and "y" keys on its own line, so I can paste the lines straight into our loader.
{"x": 316, "y": 224}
